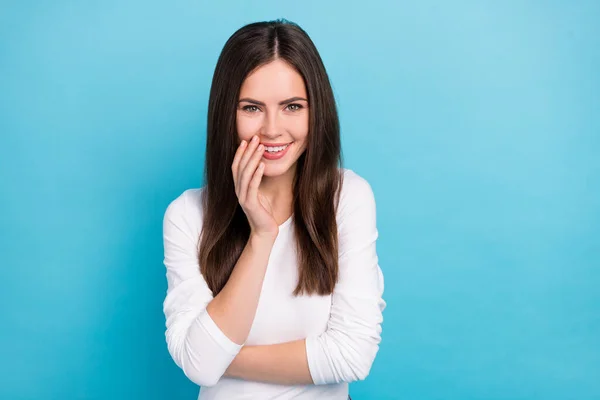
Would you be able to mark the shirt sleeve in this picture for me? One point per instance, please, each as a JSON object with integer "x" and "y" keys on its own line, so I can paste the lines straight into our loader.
{"x": 346, "y": 350}
{"x": 195, "y": 342}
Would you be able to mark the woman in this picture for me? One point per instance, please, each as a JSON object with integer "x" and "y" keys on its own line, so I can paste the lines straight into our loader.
{"x": 274, "y": 288}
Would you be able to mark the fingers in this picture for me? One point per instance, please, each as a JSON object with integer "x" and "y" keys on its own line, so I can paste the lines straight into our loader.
{"x": 236, "y": 162}
{"x": 248, "y": 171}
{"x": 247, "y": 154}
{"x": 255, "y": 181}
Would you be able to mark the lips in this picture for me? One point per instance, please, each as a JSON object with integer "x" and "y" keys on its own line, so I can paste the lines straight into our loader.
{"x": 275, "y": 144}
{"x": 278, "y": 155}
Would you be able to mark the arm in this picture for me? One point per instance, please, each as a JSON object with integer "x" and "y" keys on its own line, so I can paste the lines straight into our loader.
{"x": 283, "y": 364}
{"x": 204, "y": 334}
{"x": 234, "y": 308}
{"x": 346, "y": 350}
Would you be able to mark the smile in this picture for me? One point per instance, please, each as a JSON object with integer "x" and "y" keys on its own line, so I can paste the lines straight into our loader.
{"x": 277, "y": 152}
{"x": 276, "y": 149}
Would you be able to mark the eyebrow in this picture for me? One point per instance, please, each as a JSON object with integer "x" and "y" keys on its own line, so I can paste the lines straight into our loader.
{"x": 281, "y": 103}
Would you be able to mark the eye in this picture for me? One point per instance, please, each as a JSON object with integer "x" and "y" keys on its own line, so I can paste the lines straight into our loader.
{"x": 250, "y": 108}
{"x": 294, "y": 107}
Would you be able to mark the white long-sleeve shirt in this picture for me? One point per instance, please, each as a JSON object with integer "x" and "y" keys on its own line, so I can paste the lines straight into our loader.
{"x": 342, "y": 330}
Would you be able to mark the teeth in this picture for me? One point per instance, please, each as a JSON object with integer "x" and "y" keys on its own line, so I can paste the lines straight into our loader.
{"x": 276, "y": 149}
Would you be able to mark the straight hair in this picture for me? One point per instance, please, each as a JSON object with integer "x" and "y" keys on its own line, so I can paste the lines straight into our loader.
{"x": 318, "y": 179}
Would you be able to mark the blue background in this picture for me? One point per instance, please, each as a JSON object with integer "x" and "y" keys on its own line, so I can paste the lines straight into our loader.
{"x": 476, "y": 123}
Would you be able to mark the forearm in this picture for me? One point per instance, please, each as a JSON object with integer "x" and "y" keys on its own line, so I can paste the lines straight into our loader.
{"x": 234, "y": 308}
{"x": 284, "y": 364}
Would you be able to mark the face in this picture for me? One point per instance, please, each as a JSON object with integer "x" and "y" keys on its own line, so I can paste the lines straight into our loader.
{"x": 273, "y": 105}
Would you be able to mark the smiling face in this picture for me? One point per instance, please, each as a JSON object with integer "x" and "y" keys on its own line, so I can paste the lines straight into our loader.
{"x": 273, "y": 105}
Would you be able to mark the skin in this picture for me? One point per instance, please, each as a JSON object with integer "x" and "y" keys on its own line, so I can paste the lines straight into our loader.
{"x": 264, "y": 189}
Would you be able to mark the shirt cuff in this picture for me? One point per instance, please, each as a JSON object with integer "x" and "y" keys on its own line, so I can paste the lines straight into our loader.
{"x": 313, "y": 349}
{"x": 217, "y": 334}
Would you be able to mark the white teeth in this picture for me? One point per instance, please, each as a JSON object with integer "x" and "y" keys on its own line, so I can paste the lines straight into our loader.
{"x": 276, "y": 149}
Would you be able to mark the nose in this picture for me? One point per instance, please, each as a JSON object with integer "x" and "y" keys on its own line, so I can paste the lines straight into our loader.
{"x": 271, "y": 128}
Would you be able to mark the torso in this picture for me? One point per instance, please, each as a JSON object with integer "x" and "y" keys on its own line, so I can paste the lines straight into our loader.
{"x": 281, "y": 317}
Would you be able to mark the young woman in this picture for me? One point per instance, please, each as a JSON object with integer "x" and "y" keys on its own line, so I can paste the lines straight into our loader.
{"x": 274, "y": 288}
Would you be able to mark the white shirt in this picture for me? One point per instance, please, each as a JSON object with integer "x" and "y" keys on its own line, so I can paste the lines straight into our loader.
{"x": 342, "y": 330}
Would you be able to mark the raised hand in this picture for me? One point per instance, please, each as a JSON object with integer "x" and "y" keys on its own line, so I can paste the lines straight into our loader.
{"x": 247, "y": 172}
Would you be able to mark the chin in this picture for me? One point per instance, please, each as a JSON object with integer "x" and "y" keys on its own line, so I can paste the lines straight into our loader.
{"x": 275, "y": 170}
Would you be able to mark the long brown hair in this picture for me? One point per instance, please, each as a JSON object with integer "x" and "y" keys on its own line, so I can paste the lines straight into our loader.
{"x": 318, "y": 179}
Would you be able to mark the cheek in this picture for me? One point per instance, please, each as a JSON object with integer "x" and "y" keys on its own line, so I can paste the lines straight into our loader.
{"x": 299, "y": 129}
{"x": 247, "y": 127}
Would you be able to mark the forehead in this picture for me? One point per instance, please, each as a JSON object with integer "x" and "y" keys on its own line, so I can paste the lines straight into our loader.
{"x": 275, "y": 81}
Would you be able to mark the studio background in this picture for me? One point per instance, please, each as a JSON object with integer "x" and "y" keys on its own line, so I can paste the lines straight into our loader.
{"x": 476, "y": 123}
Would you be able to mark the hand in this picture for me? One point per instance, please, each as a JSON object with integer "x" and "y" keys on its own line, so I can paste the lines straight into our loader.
{"x": 247, "y": 173}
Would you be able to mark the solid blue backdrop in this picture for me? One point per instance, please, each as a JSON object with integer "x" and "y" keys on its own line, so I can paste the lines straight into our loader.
{"x": 476, "y": 124}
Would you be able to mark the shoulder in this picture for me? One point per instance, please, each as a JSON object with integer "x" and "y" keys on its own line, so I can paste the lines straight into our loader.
{"x": 355, "y": 190}
{"x": 353, "y": 182}
{"x": 185, "y": 211}
{"x": 356, "y": 215}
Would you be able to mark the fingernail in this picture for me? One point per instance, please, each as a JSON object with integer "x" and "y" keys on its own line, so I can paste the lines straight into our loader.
{"x": 260, "y": 147}
{"x": 243, "y": 143}
{"x": 254, "y": 138}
